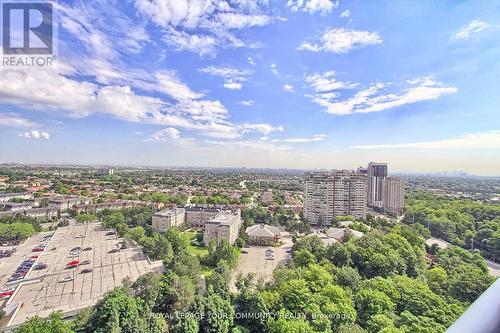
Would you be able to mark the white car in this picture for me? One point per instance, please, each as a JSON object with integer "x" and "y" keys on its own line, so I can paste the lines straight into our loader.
{"x": 67, "y": 279}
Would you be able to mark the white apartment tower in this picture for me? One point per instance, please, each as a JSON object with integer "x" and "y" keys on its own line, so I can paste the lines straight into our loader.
{"x": 328, "y": 195}
{"x": 393, "y": 193}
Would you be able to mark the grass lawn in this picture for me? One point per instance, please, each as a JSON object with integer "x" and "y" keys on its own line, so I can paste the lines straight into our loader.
{"x": 190, "y": 236}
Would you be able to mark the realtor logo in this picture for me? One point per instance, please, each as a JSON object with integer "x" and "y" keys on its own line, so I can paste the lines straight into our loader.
{"x": 28, "y": 33}
{"x": 27, "y": 27}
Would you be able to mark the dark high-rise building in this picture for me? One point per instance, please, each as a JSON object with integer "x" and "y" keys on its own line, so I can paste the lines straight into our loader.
{"x": 376, "y": 175}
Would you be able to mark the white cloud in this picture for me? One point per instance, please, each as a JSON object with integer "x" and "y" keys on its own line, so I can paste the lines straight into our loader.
{"x": 202, "y": 26}
{"x": 261, "y": 128}
{"x": 327, "y": 82}
{"x": 171, "y": 135}
{"x": 470, "y": 30}
{"x": 485, "y": 140}
{"x": 228, "y": 73}
{"x": 232, "y": 85}
{"x": 251, "y": 61}
{"x": 345, "y": 13}
{"x": 14, "y": 120}
{"x": 314, "y": 138}
{"x": 313, "y": 6}
{"x": 246, "y": 103}
{"x": 288, "y": 88}
{"x": 274, "y": 69}
{"x": 340, "y": 40}
{"x": 35, "y": 135}
{"x": 373, "y": 98}
{"x": 202, "y": 44}
{"x": 233, "y": 77}
{"x": 242, "y": 21}
{"x": 49, "y": 91}
{"x": 170, "y": 84}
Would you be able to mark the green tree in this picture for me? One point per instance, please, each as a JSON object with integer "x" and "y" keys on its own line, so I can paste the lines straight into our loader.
{"x": 53, "y": 324}
{"x": 370, "y": 303}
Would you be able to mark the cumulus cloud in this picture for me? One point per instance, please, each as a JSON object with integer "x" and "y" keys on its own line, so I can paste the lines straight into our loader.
{"x": 375, "y": 98}
{"x": 171, "y": 135}
{"x": 49, "y": 90}
{"x": 471, "y": 30}
{"x": 14, "y": 120}
{"x": 313, "y": 6}
{"x": 233, "y": 85}
{"x": 288, "y": 88}
{"x": 340, "y": 40}
{"x": 203, "y": 26}
{"x": 35, "y": 135}
{"x": 484, "y": 140}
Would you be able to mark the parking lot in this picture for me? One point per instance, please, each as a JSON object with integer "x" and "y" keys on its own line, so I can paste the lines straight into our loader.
{"x": 8, "y": 265}
{"x": 58, "y": 287}
{"x": 256, "y": 261}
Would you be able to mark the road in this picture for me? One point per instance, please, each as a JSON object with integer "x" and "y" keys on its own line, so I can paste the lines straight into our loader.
{"x": 493, "y": 267}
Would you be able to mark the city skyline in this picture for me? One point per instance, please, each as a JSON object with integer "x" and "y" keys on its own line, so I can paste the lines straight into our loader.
{"x": 291, "y": 84}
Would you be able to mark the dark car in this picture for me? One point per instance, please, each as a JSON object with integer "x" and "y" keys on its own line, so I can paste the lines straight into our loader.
{"x": 110, "y": 233}
{"x": 86, "y": 270}
{"x": 87, "y": 248}
{"x": 114, "y": 250}
{"x": 40, "y": 266}
{"x": 78, "y": 248}
{"x": 85, "y": 262}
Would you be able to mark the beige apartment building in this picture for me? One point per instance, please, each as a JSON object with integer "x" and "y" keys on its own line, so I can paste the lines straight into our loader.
{"x": 393, "y": 193}
{"x": 225, "y": 226}
{"x": 198, "y": 216}
{"x": 168, "y": 218}
{"x": 331, "y": 194}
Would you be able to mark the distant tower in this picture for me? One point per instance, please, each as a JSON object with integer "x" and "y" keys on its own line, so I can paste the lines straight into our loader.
{"x": 376, "y": 175}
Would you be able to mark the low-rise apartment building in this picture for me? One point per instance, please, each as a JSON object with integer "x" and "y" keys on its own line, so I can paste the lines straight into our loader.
{"x": 224, "y": 226}
{"x": 67, "y": 202}
{"x": 165, "y": 219}
{"x": 6, "y": 197}
{"x": 16, "y": 206}
{"x": 197, "y": 216}
{"x": 114, "y": 205}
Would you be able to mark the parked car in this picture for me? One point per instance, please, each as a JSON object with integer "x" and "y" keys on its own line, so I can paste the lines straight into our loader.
{"x": 87, "y": 248}
{"x": 244, "y": 251}
{"x": 114, "y": 250}
{"x": 86, "y": 270}
{"x": 40, "y": 266}
{"x": 37, "y": 249}
{"x": 75, "y": 249}
{"x": 85, "y": 262}
{"x": 67, "y": 279}
{"x": 80, "y": 236}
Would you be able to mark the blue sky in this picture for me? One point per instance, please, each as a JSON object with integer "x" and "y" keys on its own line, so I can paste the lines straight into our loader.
{"x": 293, "y": 84}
